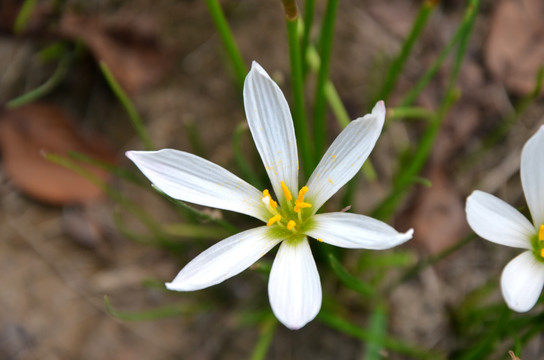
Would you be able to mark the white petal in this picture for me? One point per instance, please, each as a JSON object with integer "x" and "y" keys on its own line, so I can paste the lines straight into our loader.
{"x": 225, "y": 259}
{"x": 356, "y": 231}
{"x": 188, "y": 177}
{"x": 495, "y": 220}
{"x": 272, "y": 129}
{"x": 522, "y": 281}
{"x": 345, "y": 156}
{"x": 294, "y": 288}
{"x": 532, "y": 175}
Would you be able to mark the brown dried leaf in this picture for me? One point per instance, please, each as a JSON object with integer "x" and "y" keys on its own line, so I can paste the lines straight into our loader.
{"x": 437, "y": 214}
{"x": 27, "y": 132}
{"x": 129, "y": 49}
{"x": 514, "y": 50}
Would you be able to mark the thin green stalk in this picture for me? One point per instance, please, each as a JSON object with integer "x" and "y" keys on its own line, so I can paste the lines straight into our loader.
{"x": 156, "y": 313}
{"x": 237, "y": 62}
{"x": 134, "y": 209}
{"x": 396, "y": 66}
{"x": 24, "y": 15}
{"x": 411, "y": 171}
{"x": 309, "y": 10}
{"x": 430, "y": 261}
{"x": 46, "y": 87}
{"x": 378, "y": 327}
{"x": 349, "y": 280}
{"x": 267, "y": 331}
{"x": 297, "y": 79}
{"x": 127, "y": 104}
{"x": 341, "y": 114}
{"x": 336, "y": 322}
{"x": 433, "y": 69}
{"x": 326, "y": 38}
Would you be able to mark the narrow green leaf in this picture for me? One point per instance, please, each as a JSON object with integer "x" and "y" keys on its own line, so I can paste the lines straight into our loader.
{"x": 349, "y": 280}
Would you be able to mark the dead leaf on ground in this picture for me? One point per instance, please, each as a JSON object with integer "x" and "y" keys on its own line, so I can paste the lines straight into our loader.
{"x": 437, "y": 214}
{"x": 27, "y": 132}
{"x": 514, "y": 50}
{"x": 129, "y": 48}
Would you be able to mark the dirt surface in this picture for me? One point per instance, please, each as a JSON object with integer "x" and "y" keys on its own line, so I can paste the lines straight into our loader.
{"x": 58, "y": 262}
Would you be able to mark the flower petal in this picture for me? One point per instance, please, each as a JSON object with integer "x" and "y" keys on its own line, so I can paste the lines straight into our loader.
{"x": 345, "y": 156}
{"x": 188, "y": 177}
{"x": 225, "y": 259}
{"x": 294, "y": 288}
{"x": 272, "y": 129}
{"x": 356, "y": 231}
{"x": 495, "y": 220}
{"x": 532, "y": 175}
{"x": 522, "y": 281}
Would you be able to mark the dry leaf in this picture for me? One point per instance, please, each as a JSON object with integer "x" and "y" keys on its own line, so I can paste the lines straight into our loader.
{"x": 514, "y": 50}
{"x": 130, "y": 49}
{"x": 27, "y": 132}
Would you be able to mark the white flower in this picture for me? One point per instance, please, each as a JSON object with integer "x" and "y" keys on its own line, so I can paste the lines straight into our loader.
{"x": 294, "y": 287}
{"x": 495, "y": 220}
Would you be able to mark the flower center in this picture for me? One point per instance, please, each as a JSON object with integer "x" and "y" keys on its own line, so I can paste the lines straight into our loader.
{"x": 292, "y": 218}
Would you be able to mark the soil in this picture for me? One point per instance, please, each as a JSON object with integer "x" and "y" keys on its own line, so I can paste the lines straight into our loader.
{"x": 58, "y": 262}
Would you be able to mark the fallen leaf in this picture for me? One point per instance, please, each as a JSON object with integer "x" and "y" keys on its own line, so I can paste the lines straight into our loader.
{"x": 27, "y": 132}
{"x": 130, "y": 48}
{"x": 514, "y": 50}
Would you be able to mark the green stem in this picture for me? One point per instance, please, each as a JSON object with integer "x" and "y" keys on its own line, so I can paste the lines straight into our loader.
{"x": 46, "y": 87}
{"x": 309, "y": 10}
{"x": 267, "y": 331}
{"x": 24, "y": 15}
{"x": 346, "y": 327}
{"x": 135, "y": 118}
{"x": 396, "y": 66}
{"x": 236, "y": 60}
{"x": 327, "y": 32}
{"x": 409, "y": 112}
{"x": 411, "y": 171}
{"x": 299, "y": 112}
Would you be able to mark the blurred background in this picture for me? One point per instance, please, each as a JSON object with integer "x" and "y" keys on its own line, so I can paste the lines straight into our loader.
{"x": 68, "y": 240}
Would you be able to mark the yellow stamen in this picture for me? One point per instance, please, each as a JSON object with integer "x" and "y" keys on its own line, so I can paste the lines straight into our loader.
{"x": 541, "y": 233}
{"x": 542, "y": 253}
{"x": 291, "y": 225}
{"x": 271, "y": 203}
{"x": 266, "y": 193}
{"x": 273, "y": 220}
{"x": 301, "y": 193}
{"x": 301, "y": 205}
{"x": 286, "y": 191}
{"x": 319, "y": 239}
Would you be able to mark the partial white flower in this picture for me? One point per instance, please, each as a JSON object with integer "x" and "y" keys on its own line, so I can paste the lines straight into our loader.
{"x": 294, "y": 287}
{"x": 494, "y": 220}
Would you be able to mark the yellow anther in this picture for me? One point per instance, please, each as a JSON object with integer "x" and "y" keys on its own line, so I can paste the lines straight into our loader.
{"x": 301, "y": 205}
{"x": 319, "y": 239}
{"x": 273, "y": 220}
{"x": 291, "y": 225}
{"x": 541, "y": 233}
{"x": 301, "y": 193}
{"x": 542, "y": 253}
{"x": 273, "y": 204}
{"x": 286, "y": 191}
{"x": 266, "y": 193}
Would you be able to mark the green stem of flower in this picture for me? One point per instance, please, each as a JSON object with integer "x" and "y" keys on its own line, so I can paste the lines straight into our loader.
{"x": 396, "y": 66}
{"x": 299, "y": 112}
{"x": 309, "y": 11}
{"x": 326, "y": 38}
{"x": 127, "y": 104}
{"x": 46, "y": 87}
{"x": 237, "y": 62}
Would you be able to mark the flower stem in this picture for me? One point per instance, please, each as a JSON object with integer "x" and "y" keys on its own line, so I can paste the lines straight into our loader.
{"x": 237, "y": 62}
{"x": 327, "y": 32}
{"x": 297, "y": 79}
{"x": 135, "y": 118}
